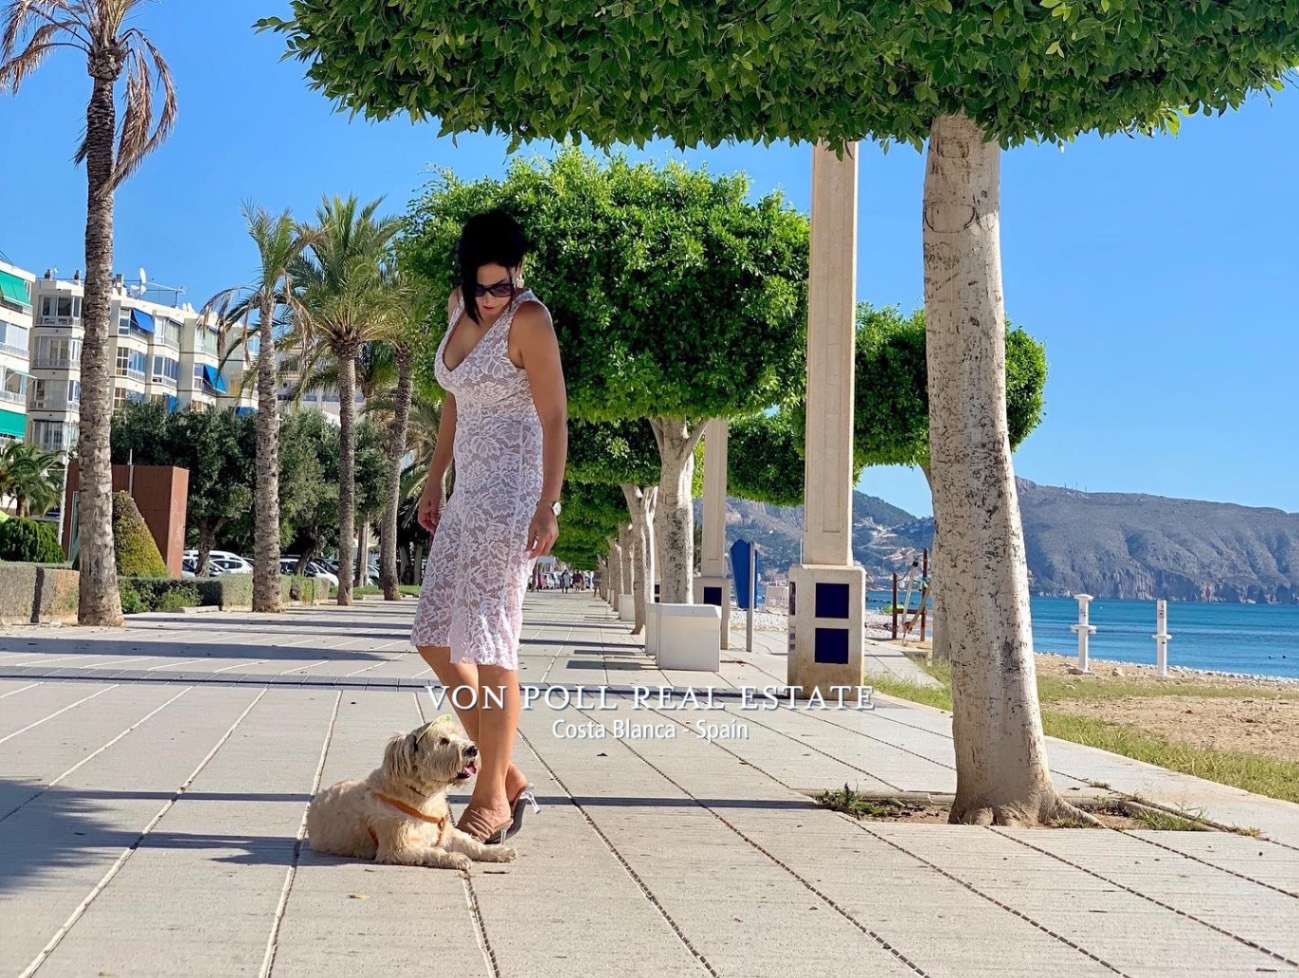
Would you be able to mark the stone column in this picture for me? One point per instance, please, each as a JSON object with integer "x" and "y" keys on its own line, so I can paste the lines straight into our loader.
{"x": 712, "y": 586}
{"x": 828, "y": 591}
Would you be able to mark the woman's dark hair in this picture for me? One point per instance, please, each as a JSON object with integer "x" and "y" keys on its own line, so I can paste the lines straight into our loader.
{"x": 491, "y": 238}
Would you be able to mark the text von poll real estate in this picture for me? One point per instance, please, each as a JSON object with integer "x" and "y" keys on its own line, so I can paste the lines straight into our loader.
{"x": 658, "y": 699}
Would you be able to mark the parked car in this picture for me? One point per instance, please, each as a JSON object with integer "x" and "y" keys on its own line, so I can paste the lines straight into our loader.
{"x": 314, "y": 568}
{"x": 231, "y": 565}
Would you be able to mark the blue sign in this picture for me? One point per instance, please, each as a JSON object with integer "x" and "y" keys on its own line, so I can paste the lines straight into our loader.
{"x": 740, "y": 573}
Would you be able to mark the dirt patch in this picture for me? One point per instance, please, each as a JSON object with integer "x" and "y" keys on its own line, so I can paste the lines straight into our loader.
{"x": 1109, "y": 812}
{"x": 1262, "y": 725}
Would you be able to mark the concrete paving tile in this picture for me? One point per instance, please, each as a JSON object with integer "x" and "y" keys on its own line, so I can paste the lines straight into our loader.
{"x": 226, "y": 856}
{"x": 56, "y": 849}
{"x": 35, "y": 705}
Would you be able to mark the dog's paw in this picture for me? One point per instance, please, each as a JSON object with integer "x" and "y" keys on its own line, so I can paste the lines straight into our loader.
{"x": 499, "y": 854}
{"x": 459, "y": 861}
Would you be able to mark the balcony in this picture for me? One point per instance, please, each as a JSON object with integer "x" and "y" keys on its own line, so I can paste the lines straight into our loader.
{"x": 11, "y": 397}
{"x": 129, "y": 374}
{"x": 13, "y": 351}
{"x": 56, "y": 363}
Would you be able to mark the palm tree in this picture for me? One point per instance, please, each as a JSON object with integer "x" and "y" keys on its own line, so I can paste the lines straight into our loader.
{"x": 97, "y": 28}
{"x": 32, "y": 478}
{"x": 280, "y": 242}
{"x": 346, "y": 300}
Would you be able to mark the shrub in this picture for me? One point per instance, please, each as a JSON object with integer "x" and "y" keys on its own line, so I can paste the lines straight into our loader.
{"x": 28, "y": 541}
{"x": 226, "y": 591}
{"x": 143, "y": 594}
{"x": 137, "y": 554}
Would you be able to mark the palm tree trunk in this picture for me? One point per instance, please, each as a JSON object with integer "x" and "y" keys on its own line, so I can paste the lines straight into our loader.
{"x": 346, "y": 472}
{"x": 396, "y": 449}
{"x": 266, "y": 511}
{"x": 1001, "y": 765}
{"x": 99, "y": 602}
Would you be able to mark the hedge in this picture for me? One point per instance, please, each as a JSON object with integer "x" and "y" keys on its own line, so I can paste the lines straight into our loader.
{"x": 137, "y": 553}
{"x": 142, "y": 594}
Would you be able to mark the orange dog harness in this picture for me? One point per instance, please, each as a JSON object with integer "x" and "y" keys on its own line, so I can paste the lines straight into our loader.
{"x": 439, "y": 820}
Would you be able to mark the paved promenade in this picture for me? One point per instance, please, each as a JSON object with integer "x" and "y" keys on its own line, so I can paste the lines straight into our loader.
{"x": 154, "y": 782}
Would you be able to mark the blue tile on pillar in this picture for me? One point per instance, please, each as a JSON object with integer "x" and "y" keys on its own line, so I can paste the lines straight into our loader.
{"x": 832, "y": 601}
{"x": 830, "y": 645}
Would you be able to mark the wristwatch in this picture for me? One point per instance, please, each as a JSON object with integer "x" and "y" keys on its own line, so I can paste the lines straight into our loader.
{"x": 554, "y": 507}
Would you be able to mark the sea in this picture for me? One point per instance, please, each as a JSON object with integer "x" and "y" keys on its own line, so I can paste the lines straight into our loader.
{"x": 1249, "y": 639}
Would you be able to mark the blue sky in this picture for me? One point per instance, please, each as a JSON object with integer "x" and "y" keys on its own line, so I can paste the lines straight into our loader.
{"x": 1160, "y": 273}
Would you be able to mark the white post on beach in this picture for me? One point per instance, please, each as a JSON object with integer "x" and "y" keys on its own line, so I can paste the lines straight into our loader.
{"x": 1084, "y": 630}
{"x": 1161, "y": 638}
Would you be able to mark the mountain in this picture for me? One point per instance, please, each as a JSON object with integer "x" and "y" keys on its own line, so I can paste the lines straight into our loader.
{"x": 1120, "y": 545}
{"x": 1111, "y": 545}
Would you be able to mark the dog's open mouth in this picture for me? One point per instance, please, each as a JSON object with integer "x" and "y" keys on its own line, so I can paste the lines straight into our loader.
{"x": 468, "y": 771}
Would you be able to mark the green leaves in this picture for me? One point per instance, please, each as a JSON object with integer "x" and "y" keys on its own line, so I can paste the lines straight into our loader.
{"x": 672, "y": 294}
{"x": 840, "y": 70}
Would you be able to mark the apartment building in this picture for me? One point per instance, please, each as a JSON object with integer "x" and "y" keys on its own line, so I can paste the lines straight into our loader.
{"x": 159, "y": 352}
{"x": 15, "y": 336}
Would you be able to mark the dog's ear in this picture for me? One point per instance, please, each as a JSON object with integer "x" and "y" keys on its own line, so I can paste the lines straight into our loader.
{"x": 397, "y": 757}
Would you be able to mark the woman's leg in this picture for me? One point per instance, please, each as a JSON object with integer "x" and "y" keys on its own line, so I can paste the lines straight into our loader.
{"x": 452, "y": 674}
{"x": 499, "y": 705}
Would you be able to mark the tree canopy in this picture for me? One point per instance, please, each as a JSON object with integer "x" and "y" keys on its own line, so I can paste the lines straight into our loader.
{"x": 891, "y": 408}
{"x": 672, "y": 294}
{"x": 838, "y": 70}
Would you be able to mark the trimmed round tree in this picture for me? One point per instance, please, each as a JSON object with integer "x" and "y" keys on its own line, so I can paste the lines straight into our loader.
{"x": 675, "y": 298}
{"x": 971, "y": 78}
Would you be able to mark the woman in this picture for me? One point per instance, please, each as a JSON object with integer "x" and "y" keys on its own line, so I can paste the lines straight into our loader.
{"x": 505, "y": 424}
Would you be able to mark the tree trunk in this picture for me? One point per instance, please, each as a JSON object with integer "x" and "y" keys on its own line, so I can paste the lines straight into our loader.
{"x": 99, "y": 602}
{"x": 1001, "y": 767}
{"x": 346, "y": 472}
{"x": 206, "y": 540}
{"x": 615, "y": 574}
{"x": 640, "y": 504}
{"x": 942, "y": 648}
{"x": 396, "y": 450}
{"x": 361, "y": 572}
{"x": 266, "y": 507}
{"x": 675, "y": 526}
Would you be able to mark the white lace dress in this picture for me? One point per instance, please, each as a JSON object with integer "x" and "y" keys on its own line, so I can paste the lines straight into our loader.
{"x": 478, "y": 567}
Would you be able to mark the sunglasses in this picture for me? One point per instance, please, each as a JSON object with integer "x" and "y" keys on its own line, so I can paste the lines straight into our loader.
{"x": 501, "y": 290}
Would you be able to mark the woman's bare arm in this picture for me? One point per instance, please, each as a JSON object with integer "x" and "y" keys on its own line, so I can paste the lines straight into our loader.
{"x": 533, "y": 334}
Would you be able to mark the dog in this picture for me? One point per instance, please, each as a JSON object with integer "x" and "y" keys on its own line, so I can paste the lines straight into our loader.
{"x": 399, "y": 814}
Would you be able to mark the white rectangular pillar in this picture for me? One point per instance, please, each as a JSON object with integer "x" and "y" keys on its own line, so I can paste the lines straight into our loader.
{"x": 826, "y": 618}
{"x": 712, "y": 586}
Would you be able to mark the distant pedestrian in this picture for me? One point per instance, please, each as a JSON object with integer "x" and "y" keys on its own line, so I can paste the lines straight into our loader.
{"x": 566, "y": 581}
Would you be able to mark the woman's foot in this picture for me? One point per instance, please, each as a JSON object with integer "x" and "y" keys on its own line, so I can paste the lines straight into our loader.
{"x": 486, "y": 824}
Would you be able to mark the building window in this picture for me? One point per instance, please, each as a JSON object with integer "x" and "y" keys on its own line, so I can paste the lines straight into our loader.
{"x": 165, "y": 370}
{"x": 14, "y": 387}
{"x": 74, "y": 392}
{"x": 132, "y": 363}
{"x": 37, "y": 390}
{"x": 14, "y": 339}
{"x": 60, "y": 308}
{"x": 122, "y": 396}
{"x": 57, "y": 351}
{"x": 53, "y": 436}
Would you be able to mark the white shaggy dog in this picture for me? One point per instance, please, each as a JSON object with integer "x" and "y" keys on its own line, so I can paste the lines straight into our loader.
{"x": 399, "y": 814}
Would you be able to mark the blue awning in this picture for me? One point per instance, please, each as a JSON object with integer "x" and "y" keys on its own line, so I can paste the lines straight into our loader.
{"x": 173, "y": 402}
{"x": 213, "y": 378}
{"x": 142, "y": 321}
{"x": 241, "y": 411}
